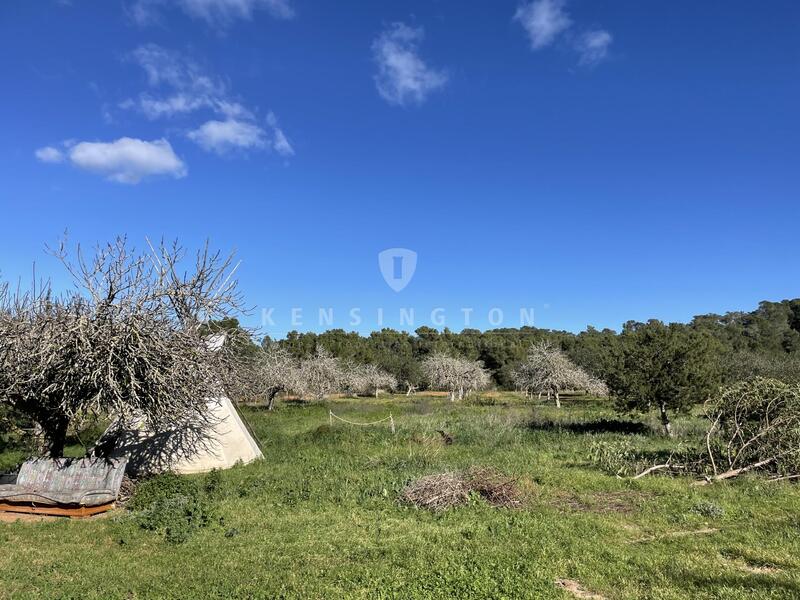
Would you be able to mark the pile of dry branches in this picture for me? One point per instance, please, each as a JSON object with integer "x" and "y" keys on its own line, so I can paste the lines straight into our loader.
{"x": 755, "y": 426}
{"x": 446, "y": 490}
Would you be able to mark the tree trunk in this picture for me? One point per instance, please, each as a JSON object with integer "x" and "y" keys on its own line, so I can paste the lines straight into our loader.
{"x": 452, "y": 395}
{"x": 376, "y": 392}
{"x": 271, "y": 399}
{"x": 558, "y": 400}
{"x": 56, "y": 438}
{"x": 662, "y": 408}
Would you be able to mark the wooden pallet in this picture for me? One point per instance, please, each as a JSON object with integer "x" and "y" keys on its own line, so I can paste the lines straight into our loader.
{"x": 74, "y": 512}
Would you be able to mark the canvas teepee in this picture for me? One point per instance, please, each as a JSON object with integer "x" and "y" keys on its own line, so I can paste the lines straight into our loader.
{"x": 217, "y": 440}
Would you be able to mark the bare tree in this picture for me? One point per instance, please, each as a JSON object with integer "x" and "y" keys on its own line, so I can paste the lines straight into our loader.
{"x": 127, "y": 340}
{"x": 597, "y": 387}
{"x": 266, "y": 373}
{"x": 547, "y": 369}
{"x": 321, "y": 375}
{"x": 458, "y": 376}
{"x": 369, "y": 379}
{"x": 277, "y": 371}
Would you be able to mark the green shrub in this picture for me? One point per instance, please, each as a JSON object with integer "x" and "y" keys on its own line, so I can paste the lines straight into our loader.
{"x": 173, "y": 505}
{"x": 708, "y": 510}
{"x": 614, "y": 457}
{"x": 213, "y": 484}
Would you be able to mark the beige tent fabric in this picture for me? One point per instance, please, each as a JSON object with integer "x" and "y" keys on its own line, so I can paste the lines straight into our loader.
{"x": 234, "y": 442}
{"x": 218, "y": 442}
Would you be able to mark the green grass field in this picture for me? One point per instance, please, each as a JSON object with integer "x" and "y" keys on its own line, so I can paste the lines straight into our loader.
{"x": 319, "y": 517}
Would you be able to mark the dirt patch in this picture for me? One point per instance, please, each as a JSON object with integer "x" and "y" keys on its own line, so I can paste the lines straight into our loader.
{"x": 446, "y": 490}
{"x": 576, "y": 589}
{"x": 13, "y": 517}
{"x": 758, "y": 569}
{"x": 622, "y": 502}
{"x": 10, "y": 517}
{"x": 748, "y": 566}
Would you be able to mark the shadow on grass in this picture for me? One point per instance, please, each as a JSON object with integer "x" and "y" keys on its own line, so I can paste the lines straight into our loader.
{"x": 748, "y": 585}
{"x": 598, "y": 426}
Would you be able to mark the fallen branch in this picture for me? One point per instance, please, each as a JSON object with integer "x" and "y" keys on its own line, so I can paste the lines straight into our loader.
{"x": 667, "y": 465}
{"x": 735, "y": 472}
{"x": 784, "y": 478}
{"x": 651, "y": 469}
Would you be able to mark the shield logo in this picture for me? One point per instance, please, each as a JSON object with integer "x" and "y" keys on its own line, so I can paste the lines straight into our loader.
{"x": 397, "y": 267}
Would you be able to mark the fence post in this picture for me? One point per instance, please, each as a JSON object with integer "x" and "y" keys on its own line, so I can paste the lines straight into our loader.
{"x": 330, "y": 417}
{"x": 391, "y": 421}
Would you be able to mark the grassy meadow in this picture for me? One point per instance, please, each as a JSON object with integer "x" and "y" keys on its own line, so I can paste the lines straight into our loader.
{"x": 319, "y": 517}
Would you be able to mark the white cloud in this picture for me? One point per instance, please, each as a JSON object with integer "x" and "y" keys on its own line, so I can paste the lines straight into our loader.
{"x": 48, "y": 154}
{"x": 127, "y": 160}
{"x": 593, "y": 46}
{"x": 155, "y": 108}
{"x": 223, "y": 136}
{"x": 215, "y": 12}
{"x": 280, "y": 143}
{"x": 403, "y": 77}
{"x": 544, "y": 20}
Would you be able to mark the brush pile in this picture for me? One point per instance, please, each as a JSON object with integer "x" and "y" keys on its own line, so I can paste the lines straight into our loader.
{"x": 447, "y": 490}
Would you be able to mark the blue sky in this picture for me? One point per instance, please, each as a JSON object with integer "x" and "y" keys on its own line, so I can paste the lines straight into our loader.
{"x": 596, "y": 162}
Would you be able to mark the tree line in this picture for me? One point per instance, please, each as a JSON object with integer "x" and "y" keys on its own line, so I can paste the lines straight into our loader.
{"x": 764, "y": 342}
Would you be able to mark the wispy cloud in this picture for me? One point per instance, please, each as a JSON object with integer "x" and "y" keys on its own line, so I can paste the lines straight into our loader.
{"x": 49, "y": 154}
{"x": 403, "y": 76}
{"x": 220, "y": 13}
{"x": 547, "y": 20}
{"x": 593, "y": 46}
{"x": 280, "y": 143}
{"x": 544, "y": 20}
{"x": 126, "y": 160}
{"x": 188, "y": 86}
{"x": 180, "y": 103}
{"x": 182, "y": 87}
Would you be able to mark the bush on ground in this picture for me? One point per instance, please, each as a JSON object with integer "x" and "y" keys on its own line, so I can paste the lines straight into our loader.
{"x": 174, "y": 506}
